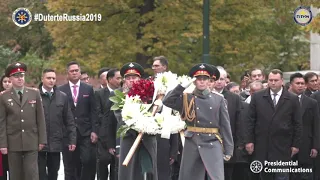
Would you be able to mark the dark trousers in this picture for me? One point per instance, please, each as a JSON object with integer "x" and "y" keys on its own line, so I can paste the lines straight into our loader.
{"x": 5, "y": 166}
{"x": 237, "y": 171}
{"x": 80, "y": 164}
{"x": 316, "y": 168}
{"x": 175, "y": 167}
{"x": 23, "y": 165}
{"x": 302, "y": 176}
{"x": 104, "y": 160}
{"x": 50, "y": 161}
{"x": 274, "y": 176}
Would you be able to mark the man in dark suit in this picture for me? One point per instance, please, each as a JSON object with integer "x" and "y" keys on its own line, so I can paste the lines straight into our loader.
{"x": 274, "y": 125}
{"x": 234, "y": 106}
{"x": 167, "y": 148}
{"x": 22, "y": 125}
{"x": 81, "y": 164}
{"x": 57, "y": 114}
{"x": 102, "y": 75}
{"x": 316, "y": 171}
{"x": 311, "y": 119}
{"x": 311, "y": 80}
{"x": 102, "y": 97}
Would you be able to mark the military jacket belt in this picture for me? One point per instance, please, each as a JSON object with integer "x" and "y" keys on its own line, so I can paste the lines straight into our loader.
{"x": 211, "y": 112}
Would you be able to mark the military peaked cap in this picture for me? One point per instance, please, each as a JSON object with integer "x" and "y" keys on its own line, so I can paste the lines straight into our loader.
{"x": 15, "y": 68}
{"x": 131, "y": 68}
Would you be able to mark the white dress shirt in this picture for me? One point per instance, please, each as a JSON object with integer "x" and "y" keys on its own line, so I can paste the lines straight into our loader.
{"x": 75, "y": 96}
{"x": 278, "y": 95}
{"x": 110, "y": 90}
{"x": 44, "y": 90}
{"x": 248, "y": 100}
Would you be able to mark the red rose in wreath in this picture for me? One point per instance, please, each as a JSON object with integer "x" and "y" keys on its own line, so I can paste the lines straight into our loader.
{"x": 143, "y": 88}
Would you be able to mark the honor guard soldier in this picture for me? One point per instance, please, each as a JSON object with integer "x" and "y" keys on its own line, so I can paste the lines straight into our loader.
{"x": 22, "y": 125}
{"x": 144, "y": 161}
{"x": 208, "y": 135}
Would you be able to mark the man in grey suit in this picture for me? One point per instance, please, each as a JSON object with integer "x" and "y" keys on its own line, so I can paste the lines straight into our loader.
{"x": 208, "y": 135}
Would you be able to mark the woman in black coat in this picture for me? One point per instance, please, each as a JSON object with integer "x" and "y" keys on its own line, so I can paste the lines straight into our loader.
{"x": 5, "y": 84}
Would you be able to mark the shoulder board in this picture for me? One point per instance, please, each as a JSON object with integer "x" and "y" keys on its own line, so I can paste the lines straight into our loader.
{"x": 2, "y": 92}
{"x": 214, "y": 92}
{"x": 32, "y": 88}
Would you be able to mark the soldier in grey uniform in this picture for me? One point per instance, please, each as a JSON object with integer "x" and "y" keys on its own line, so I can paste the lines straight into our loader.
{"x": 22, "y": 125}
{"x": 208, "y": 135}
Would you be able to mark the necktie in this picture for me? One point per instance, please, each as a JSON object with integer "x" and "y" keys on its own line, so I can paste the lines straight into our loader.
{"x": 274, "y": 100}
{"x": 20, "y": 95}
{"x": 300, "y": 100}
{"x": 49, "y": 94}
{"x": 75, "y": 93}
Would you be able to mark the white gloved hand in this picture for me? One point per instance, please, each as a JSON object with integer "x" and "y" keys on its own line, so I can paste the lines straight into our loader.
{"x": 187, "y": 84}
{"x": 227, "y": 157}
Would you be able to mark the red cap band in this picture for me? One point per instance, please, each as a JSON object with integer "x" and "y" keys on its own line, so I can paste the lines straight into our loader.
{"x": 201, "y": 73}
{"x": 16, "y": 70}
{"x": 132, "y": 71}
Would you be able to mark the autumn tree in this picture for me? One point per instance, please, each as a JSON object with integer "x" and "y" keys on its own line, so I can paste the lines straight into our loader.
{"x": 243, "y": 34}
{"x": 7, "y": 56}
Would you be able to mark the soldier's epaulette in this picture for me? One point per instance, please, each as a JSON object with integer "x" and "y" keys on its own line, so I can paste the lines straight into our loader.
{"x": 2, "y": 92}
{"x": 32, "y": 88}
{"x": 214, "y": 92}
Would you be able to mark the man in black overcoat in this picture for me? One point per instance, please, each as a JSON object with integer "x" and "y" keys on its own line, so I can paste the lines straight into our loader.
{"x": 274, "y": 125}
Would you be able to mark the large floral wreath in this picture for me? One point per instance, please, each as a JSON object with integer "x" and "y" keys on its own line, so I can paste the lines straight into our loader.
{"x": 138, "y": 110}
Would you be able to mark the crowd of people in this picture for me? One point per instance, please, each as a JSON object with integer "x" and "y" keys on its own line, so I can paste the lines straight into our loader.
{"x": 229, "y": 125}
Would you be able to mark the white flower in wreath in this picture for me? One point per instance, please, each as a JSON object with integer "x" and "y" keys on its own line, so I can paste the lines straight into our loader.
{"x": 130, "y": 110}
{"x": 131, "y": 122}
{"x": 165, "y": 82}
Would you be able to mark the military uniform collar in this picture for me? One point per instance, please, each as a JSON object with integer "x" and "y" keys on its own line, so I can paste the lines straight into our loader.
{"x": 17, "y": 90}
{"x": 201, "y": 93}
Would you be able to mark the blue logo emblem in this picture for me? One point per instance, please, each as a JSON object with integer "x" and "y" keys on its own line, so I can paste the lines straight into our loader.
{"x": 302, "y": 15}
{"x": 22, "y": 17}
